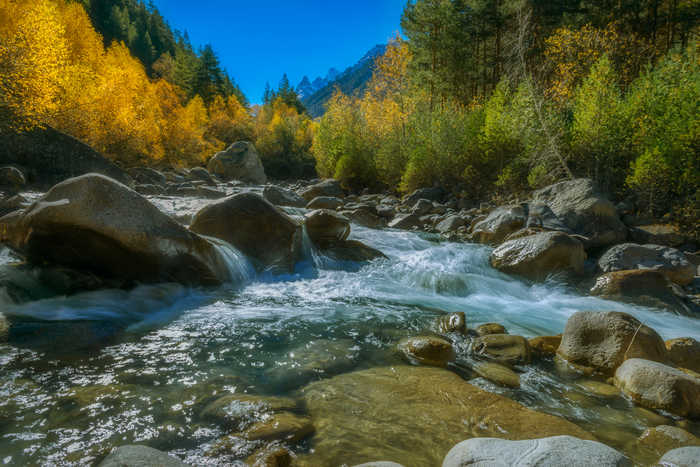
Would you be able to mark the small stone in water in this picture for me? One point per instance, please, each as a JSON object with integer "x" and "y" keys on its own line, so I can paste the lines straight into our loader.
{"x": 454, "y": 322}
{"x": 490, "y": 328}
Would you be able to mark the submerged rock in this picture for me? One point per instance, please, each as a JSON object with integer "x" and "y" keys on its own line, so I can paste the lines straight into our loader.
{"x": 584, "y": 210}
{"x": 540, "y": 255}
{"x": 427, "y": 350}
{"x": 557, "y": 451}
{"x": 661, "y": 439}
{"x": 496, "y": 373}
{"x": 96, "y": 224}
{"x": 266, "y": 235}
{"x": 641, "y": 287}
{"x": 282, "y": 427}
{"x": 240, "y": 161}
{"x": 658, "y": 386}
{"x": 383, "y": 409}
{"x": 273, "y": 456}
{"x": 601, "y": 341}
{"x": 140, "y": 456}
{"x": 665, "y": 260}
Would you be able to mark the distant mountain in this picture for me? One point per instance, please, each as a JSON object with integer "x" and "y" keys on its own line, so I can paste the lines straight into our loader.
{"x": 306, "y": 88}
{"x": 352, "y": 82}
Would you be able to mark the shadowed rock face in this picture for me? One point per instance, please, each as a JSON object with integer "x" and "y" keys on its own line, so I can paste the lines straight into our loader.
{"x": 51, "y": 156}
{"x": 663, "y": 259}
{"x": 96, "y": 224}
{"x": 258, "y": 229}
{"x": 240, "y": 161}
{"x": 137, "y": 456}
{"x": 402, "y": 401}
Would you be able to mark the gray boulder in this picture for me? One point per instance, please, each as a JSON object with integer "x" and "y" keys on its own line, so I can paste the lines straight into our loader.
{"x": 663, "y": 259}
{"x": 663, "y": 234}
{"x": 281, "y": 197}
{"x": 200, "y": 174}
{"x": 147, "y": 176}
{"x": 450, "y": 224}
{"x": 140, "y": 456}
{"x": 584, "y": 210}
{"x": 405, "y": 221}
{"x": 324, "y": 202}
{"x": 540, "y": 255}
{"x": 326, "y": 227}
{"x": 601, "y": 341}
{"x": 151, "y": 190}
{"x": 386, "y": 211}
{"x": 681, "y": 457}
{"x": 421, "y": 207}
{"x": 658, "y": 386}
{"x": 96, "y": 224}
{"x": 557, "y": 451}
{"x": 266, "y": 235}
{"x": 11, "y": 180}
{"x": 379, "y": 464}
{"x": 331, "y": 187}
{"x": 500, "y": 223}
{"x": 210, "y": 193}
{"x": 431, "y": 194}
{"x": 240, "y": 161}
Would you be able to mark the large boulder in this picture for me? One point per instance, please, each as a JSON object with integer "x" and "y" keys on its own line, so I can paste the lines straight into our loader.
{"x": 540, "y": 255}
{"x": 352, "y": 250}
{"x": 326, "y": 227}
{"x": 658, "y": 386}
{"x": 663, "y": 259}
{"x": 661, "y": 439}
{"x": 240, "y": 161}
{"x": 431, "y": 194}
{"x": 660, "y": 234}
{"x": 324, "y": 202}
{"x": 281, "y": 197}
{"x": 500, "y": 223}
{"x": 266, "y": 235}
{"x": 200, "y": 174}
{"x": 426, "y": 350}
{"x": 684, "y": 352}
{"x": 331, "y": 187}
{"x": 94, "y": 223}
{"x": 51, "y": 156}
{"x": 682, "y": 457}
{"x": 147, "y": 176}
{"x": 601, "y": 341}
{"x": 557, "y": 451}
{"x": 11, "y": 180}
{"x": 406, "y": 222}
{"x": 355, "y": 409}
{"x": 140, "y": 456}
{"x": 585, "y": 210}
{"x": 641, "y": 287}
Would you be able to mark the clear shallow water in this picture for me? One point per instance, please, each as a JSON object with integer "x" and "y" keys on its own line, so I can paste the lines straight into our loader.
{"x": 268, "y": 337}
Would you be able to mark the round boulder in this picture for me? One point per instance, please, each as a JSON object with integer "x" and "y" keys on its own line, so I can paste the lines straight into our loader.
{"x": 538, "y": 256}
{"x": 427, "y": 350}
{"x": 514, "y": 350}
{"x": 200, "y": 174}
{"x": 556, "y": 451}
{"x": 658, "y": 386}
{"x": 326, "y": 227}
{"x": 96, "y": 224}
{"x": 600, "y": 341}
{"x": 263, "y": 233}
{"x": 684, "y": 352}
{"x": 500, "y": 223}
{"x": 281, "y": 197}
{"x": 663, "y": 259}
{"x": 406, "y": 221}
{"x": 240, "y": 161}
{"x": 490, "y": 328}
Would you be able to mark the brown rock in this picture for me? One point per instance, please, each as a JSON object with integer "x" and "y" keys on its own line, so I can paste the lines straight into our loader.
{"x": 496, "y": 373}
{"x": 427, "y": 350}
{"x": 685, "y": 353}
{"x": 544, "y": 346}
{"x": 272, "y": 457}
{"x": 284, "y": 427}
{"x": 324, "y": 202}
{"x": 490, "y": 328}
{"x": 514, "y": 350}
{"x": 258, "y": 229}
{"x": 665, "y": 260}
{"x": 239, "y": 161}
{"x": 452, "y": 323}
{"x": 664, "y": 438}
{"x": 600, "y": 341}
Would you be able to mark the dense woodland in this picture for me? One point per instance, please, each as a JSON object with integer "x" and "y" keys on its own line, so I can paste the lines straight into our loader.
{"x": 114, "y": 74}
{"x": 527, "y": 92}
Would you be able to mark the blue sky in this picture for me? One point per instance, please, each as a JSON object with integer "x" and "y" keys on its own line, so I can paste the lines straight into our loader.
{"x": 258, "y": 41}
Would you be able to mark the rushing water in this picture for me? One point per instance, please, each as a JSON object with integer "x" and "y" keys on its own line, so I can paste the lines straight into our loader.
{"x": 266, "y": 337}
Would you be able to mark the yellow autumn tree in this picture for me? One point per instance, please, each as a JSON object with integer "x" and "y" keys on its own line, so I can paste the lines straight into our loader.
{"x": 229, "y": 121}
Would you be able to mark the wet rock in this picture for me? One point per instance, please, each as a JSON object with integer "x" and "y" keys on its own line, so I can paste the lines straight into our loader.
{"x": 96, "y": 224}
{"x": 661, "y": 439}
{"x": 538, "y": 256}
{"x": 240, "y": 161}
{"x": 324, "y": 202}
{"x": 311, "y": 192}
{"x": 584, "y": 210}
{"x": 140, "y": 456}
{"x": 151, "y": 190}
{"x": 365, "y": 408}
{"x": 379, "y": 464}
{"x": 182, "y": 190}
{"x": 174, "y": 178}
{"x": 51, "y": 156}
{"x": 665, "y": 260}
{"x": 658, "y": 386}
{"x": 643, "y": 287}
{"x": 660, "y": 234}
{"x": 11, "y": 180}
{"x": 431, "y": 194}
{"x": 386, "y": 211}
{"x": 490, "y": 328}
{"x": 427, "y": 350}
{"x": 451, "y": 223}
{"x": 364, "y": 218}
{"x": 556, "y": 451}
{"x": 681, "y": 457}
{"x": 514, "y": 350}
{"x": 684, "y": 352}
{"x": 16, "y": 202}
{"x": 236, "y": 411}
{"x": 499, "y": 224}
{"x": 602, "y": 340}
{"x": 64, "y": 280}
{"x": 283, "y": 427}
{"x": 452, "y": 323}
{"x": 351, "y": 250}
{"x": 281, "y": 197}
{"x": 421, "y": 207}
{"x": 496, "y": 373}
{"x": 406, "y": 221}
{"x": 210, "y": 193}
{"x": 60, "y": 336}
{"x": 255, "y": 227}
{"x": 544, "y": 346}
{"x": 152, "y": 176}
{"x": 273, "y": 456}
{"x": 325, "y": 227}
{"x": 200, "y": 174}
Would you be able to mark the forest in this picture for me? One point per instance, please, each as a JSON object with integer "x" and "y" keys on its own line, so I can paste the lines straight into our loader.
{"x": 527, "y": 93}
{"x": 116, "y": 76}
